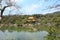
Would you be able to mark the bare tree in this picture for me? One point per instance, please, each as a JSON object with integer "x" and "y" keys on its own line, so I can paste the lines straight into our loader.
{"x": 9, "y": 3}
{"x": 54, "y": 5}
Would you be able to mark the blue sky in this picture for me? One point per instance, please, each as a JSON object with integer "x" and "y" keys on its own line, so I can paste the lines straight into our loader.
{"x": 35, "y": 6}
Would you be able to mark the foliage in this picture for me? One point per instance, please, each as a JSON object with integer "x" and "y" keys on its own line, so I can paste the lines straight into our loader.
{"x": 48, "y": 22}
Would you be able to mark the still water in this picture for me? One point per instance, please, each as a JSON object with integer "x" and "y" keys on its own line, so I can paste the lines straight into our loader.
{"x": 23, "y": 35}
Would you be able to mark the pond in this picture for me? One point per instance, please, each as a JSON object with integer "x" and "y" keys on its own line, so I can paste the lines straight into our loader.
{"x": 6, "y": 35}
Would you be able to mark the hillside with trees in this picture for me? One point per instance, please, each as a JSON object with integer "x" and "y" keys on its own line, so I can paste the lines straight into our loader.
{"x": 20, "y": 19}
{"x": 50, "y": 19}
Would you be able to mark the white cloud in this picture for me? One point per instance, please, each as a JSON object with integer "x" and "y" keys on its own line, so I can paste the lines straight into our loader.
{"x": 18, "y": 0}
{"x": 31, "y": 8}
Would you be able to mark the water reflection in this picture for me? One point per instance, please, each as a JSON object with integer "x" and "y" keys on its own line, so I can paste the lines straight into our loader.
{"x": 22, "y": 35}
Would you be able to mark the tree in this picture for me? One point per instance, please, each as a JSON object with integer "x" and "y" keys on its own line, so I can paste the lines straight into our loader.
{"x": 55, "y": 5}
{"x": 9, "y": 3}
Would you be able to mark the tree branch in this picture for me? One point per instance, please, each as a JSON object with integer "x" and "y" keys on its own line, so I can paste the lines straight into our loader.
{"x": 2, "y": 10}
